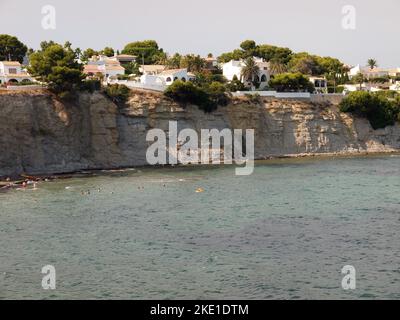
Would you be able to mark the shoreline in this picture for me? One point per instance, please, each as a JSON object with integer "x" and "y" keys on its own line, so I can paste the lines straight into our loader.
{"x": 18, "y": 181}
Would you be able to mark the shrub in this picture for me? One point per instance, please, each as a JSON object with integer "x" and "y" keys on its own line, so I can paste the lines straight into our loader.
{"x": 235, "y": 85}
{"x": 380, "y": 111}
{"x": 217, "y": 93}
{"x": 339, "y": 89}
{"x": 118, "y": 93}
{"x": 207, "y": 98}
{"x": 91, "y": 85}
{"x": 253, "y": 97}
{"x": 291, "y": 82}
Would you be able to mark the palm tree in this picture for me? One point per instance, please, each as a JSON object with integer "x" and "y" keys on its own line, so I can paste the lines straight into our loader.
{"x": 359, "y": 78}
{"x": 277, "y": 67}
{"x": 372, "y": 63}
{"x": 250, "y": 70}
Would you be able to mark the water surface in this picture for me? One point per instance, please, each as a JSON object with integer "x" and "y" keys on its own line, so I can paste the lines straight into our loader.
{"x": 284, "y": 232}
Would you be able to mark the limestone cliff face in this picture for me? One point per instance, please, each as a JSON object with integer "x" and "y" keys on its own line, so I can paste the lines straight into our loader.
{"x": 40, "y": 134}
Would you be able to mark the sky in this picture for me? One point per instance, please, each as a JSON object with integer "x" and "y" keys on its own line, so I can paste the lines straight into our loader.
{"x": 216, "y": 26}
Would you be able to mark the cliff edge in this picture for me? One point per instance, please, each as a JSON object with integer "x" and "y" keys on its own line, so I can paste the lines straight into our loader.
{"x": 41, "y": 134}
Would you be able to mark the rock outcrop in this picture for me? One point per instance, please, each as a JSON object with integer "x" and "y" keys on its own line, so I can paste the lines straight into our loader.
{"x": 40, "y": 134}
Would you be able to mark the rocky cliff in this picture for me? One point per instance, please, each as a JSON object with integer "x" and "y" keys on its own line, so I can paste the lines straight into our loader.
{"x": 40, "y": 134}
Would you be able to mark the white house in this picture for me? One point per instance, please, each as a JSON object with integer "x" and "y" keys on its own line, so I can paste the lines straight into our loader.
{"x": 108, "y": 67}
{"x": 370, "y": 87}
{"x": 320, "y": 84}
{"x": 369, "y": 73}
{"x": 172, "y": 75}
{"x": 234, "y": 68}
{"x": 165, "y": 77}
{"x": 12, "y": 72}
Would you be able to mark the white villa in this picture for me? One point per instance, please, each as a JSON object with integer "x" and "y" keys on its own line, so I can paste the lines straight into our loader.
{"x": 234, "y": 68}
{"x": 159, "y": 75}
{"x": 12, "y": 72}
{"x": 374, "y": 73}
{"x": 320, "y": 84}
{"x": 107, "y": 66}
{"x": 370, "y": 87}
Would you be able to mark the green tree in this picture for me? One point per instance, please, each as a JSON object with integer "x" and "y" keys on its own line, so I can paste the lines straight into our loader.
{"x": 88, "y": 53}
{"x": 174, "y": 62}
{"x": 273, "y": 53}
{"x": 291, "y": 82}
{"x": 372, "y": 63}
{"x": 108, "y": 51}
{"x": 305, "y": 63}
{"x": 45, "y": 44}
{"x": 359, "y": 79}
{"x": 206, "y": 77}
{"x": 67, "y": 45}
{"x": 206, "y": 98}
{"x": 248, "y": 45}
{"x": 277, "y": 67}
{"x": 11, "y": 48}
{"x": 236, "y": 54}
{"x": 333, "y": 69}
{"x": 132, "y": 68}
{"x": 147, "y": 51}
{"x": 56, "y": 66}
{"x": 194, "y": 63}
{"x": 160, "y": 58}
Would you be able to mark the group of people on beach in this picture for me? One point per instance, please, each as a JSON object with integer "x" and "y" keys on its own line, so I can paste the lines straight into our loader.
{"x": 19, "y": 184}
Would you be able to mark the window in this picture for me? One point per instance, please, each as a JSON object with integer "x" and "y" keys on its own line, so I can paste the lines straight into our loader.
{"x": 176, "y": 78}
{"x": 183, "y": 79}
{"x": 12, "y": 70}
{"x": 263, "y": 78}
{"x": 169, "y": 79}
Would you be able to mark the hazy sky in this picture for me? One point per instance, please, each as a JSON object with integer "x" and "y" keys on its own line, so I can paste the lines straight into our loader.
{"x": 203, "y": 26}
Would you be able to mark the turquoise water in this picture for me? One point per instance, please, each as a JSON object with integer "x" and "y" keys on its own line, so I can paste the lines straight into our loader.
{"x": 284, "y": 232}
